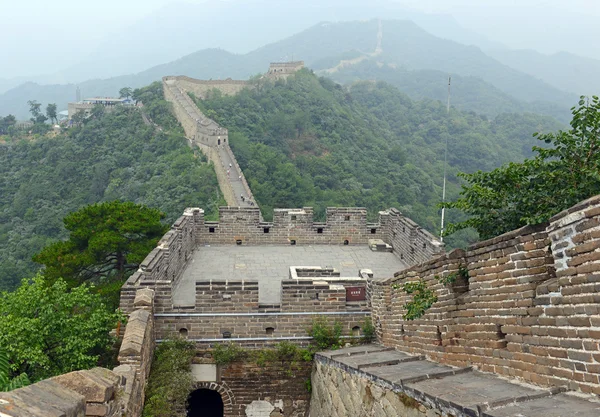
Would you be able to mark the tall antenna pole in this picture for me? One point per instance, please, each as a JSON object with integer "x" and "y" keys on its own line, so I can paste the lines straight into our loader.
{"x": 445, "y": 165}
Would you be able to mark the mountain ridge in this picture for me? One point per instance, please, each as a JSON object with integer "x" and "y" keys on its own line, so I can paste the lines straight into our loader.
{"x": 313, "y": 44}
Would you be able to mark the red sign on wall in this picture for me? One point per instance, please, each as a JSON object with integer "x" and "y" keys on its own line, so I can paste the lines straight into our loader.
{"x": 356, "y": 294}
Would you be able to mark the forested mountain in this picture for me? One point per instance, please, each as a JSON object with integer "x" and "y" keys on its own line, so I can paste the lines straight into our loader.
{"x": 183, "y": 27}
{"x": 403, "y": 44}
{"x": 115, "y": 156}
{"x": 310, "y": 142}
{"x": 468, "y": 93}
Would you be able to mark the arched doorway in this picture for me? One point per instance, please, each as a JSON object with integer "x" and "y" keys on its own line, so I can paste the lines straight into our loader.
{"x": 205, "y": 403}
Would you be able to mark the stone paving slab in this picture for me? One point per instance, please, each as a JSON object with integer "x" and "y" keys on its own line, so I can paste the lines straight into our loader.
{"x": 462, "y": 390}
{"x": 356, "y": 350}
{"x": 408, "y": 370}
{"x": 374, "y": 359}
{"x": 468, "y": 390}
{"x": 561, "y": 405}
{"x": 270, "y": 264}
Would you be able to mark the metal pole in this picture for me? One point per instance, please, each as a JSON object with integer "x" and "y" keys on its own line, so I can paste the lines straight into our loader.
{"x": 445, "y": 165}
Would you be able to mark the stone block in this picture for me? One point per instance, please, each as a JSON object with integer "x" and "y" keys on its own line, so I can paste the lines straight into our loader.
{"x": 96, "y": 386}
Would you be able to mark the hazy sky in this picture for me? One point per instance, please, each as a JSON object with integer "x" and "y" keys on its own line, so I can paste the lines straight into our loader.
{"x": 67, "y": 29}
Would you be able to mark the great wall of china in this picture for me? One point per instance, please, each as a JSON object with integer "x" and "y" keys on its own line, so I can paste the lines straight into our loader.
{"x": 517, "y": 334}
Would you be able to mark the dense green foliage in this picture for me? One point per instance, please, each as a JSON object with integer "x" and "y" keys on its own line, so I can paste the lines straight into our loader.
{"x": 7, "y": 123}
{"x": 170, "y": 380}
{"x": 48, "y": 329}
{"x": 310, "y": 142}
{"x": 107, "y": 241}
{"x": 530, "y": 192}
{"x": 6, "y": 382}
{"x": 422, "y": 298}
{"x": 114, "y": 156}
{"x": 325, "y": 335}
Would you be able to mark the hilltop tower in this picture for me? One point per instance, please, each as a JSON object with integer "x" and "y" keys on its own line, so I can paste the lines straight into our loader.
{"x": 284, "y": 69}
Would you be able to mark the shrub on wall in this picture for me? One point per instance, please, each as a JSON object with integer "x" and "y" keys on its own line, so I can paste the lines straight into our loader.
{"x": 170, "y": 381}
{"x": 326, "y": 336}
{"x": 368, "y": 331}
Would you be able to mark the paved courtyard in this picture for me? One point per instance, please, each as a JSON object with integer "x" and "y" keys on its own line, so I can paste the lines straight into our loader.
{"x": 270, "y": 264}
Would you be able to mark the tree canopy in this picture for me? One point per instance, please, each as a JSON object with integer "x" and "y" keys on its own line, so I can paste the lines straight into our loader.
{"x": 307, "y": 141}
{"x": 125, "y": 92}
{"x": 562, "y": 173}
{"x": 6, "y": 382}
{"x": 114, "y": 157}
{"x": 106, "y": 240}
{"x": 49, "y": 330}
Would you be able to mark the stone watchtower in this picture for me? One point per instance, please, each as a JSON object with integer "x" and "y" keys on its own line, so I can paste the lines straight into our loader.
{"x": 284, "y": 69}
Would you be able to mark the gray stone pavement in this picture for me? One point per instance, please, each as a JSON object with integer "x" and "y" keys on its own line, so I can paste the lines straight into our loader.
{"x": 270, "y": 264}
{"x": 234, "y": 180}
{"x": 467, "y": 392}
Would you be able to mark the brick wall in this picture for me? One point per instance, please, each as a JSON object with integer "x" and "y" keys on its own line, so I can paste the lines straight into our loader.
{"x": 275, "y": 389}
{"x": 136, "y": 353}
{"x": 232, "y": 306}
{"x": 250, "y": 329}
{"x": 200, "y": 88}
{"x": 530, "y": 309}
{"x": 343, "y": 226}
{"x": 410, "y": 242}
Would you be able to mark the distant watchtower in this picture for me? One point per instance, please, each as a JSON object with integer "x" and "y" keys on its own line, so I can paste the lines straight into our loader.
{"x": 284, "y": 69}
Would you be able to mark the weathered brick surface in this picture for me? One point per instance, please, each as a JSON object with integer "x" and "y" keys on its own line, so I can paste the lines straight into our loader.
{"x": 530, "y": 312}
{"x": 93, "y": 392}
{"x": 282, "y": 385}
{"x": 211, "y": 326}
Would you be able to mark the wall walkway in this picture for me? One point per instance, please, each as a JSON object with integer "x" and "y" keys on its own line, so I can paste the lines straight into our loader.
{"x": 213, "y": 141}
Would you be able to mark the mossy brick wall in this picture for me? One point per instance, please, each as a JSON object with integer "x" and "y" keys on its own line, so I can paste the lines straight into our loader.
{"x": 275, "y": 389}
{"x": 203, "y": 329}
{"x": 339, "y": 391}
{"x": 531, "y": 310}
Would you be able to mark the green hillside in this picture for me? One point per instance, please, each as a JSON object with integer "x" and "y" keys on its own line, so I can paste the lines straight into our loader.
{"x": 116, "y": 156}
{"x": 310, "y": 142}
{"x": 469, "y": 93}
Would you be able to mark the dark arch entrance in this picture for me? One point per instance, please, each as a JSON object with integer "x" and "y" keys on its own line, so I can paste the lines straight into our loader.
{"x": 205, "y": 403}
